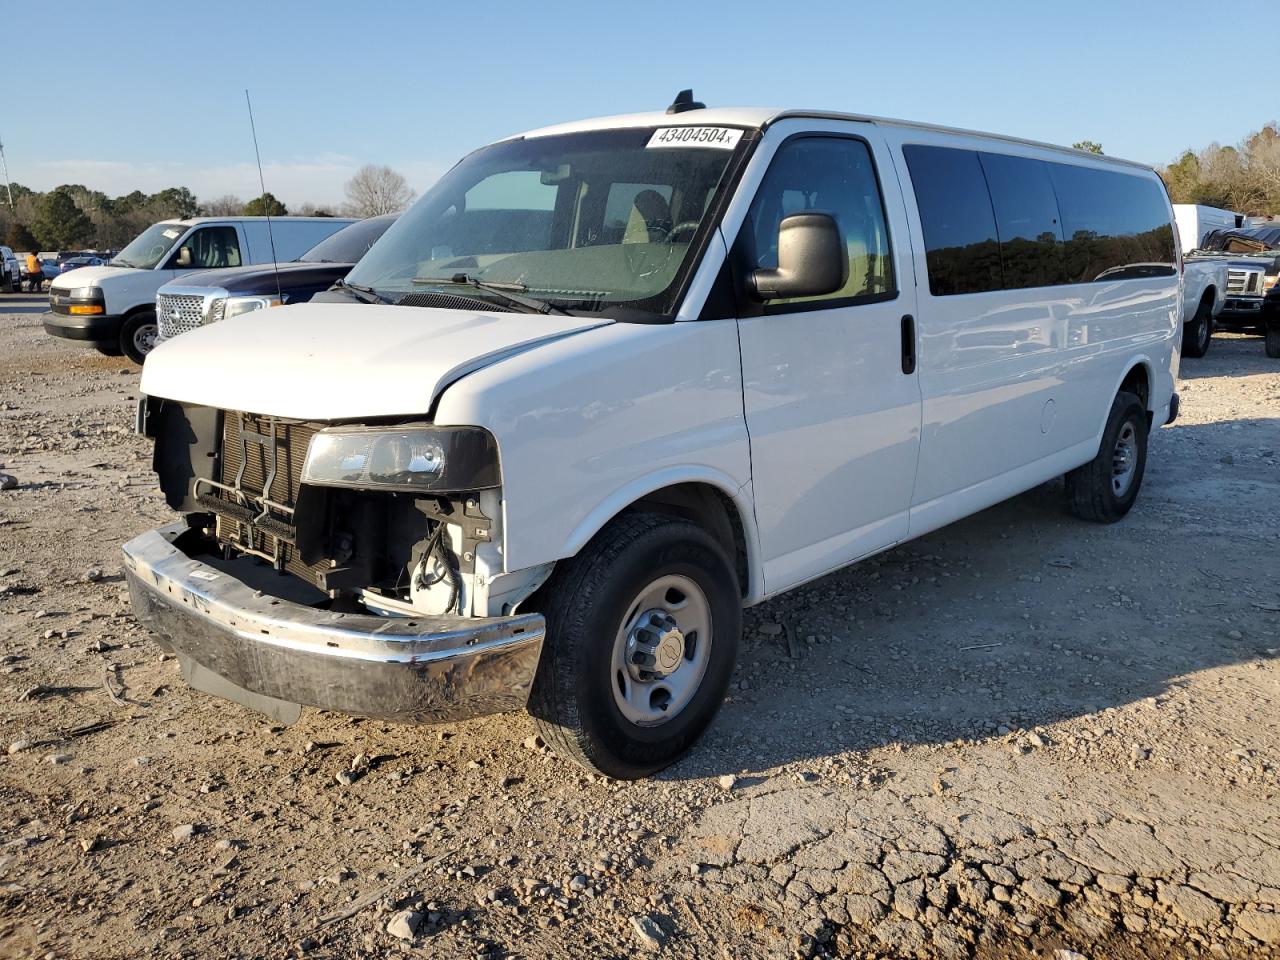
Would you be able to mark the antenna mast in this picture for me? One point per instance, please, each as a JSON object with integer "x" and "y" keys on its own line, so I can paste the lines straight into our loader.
{"x": 7, "y": 187}
{"x": 262, "y": 183}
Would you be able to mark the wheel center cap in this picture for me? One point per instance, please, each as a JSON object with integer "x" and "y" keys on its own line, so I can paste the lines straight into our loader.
{"x": 670, "y": 651}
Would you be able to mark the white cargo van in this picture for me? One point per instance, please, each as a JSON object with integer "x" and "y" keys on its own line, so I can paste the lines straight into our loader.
{"x": 113, "y": 307}
{"x": 609, "y": 382}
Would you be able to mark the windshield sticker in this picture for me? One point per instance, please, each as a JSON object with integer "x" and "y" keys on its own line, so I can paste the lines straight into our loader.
{"x": 719, "y": 138}
{"x": 172, "y": 233}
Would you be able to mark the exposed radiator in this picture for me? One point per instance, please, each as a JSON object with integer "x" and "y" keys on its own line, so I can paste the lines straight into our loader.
{"x": 271, "y": 538}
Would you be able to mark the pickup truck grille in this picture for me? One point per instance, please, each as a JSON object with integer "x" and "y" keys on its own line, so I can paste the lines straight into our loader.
{"x": 272, "y": 537}
{"x": 178, "y": 313}
{"x": 1244, "y": 282}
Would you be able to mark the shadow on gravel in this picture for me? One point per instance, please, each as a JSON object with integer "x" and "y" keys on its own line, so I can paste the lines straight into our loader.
{"x": 1020, "y": 615}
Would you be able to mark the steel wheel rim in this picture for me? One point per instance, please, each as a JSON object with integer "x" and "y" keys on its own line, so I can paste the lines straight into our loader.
{"x": 1202, "y": 338}
{"x": 144, "y": 338}
{"x": 656, "y": 689}
{"x": 1124, "y": 459}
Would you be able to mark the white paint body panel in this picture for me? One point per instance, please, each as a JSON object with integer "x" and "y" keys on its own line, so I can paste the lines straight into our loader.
{"x": 591, "y": 423}
{"x": 1199, "y": 275}
{"x": 1194, "y": 220}
{"x": 336, "y": 361}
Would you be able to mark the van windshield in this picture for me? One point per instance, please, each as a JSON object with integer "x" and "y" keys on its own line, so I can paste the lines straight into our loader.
{"x": 584, "y": 221}
{"x": 150, "y": 246}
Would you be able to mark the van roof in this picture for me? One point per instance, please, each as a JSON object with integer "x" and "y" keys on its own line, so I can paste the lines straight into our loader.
{"x": 194, "y": 221}
{"x": 760, "y": 117}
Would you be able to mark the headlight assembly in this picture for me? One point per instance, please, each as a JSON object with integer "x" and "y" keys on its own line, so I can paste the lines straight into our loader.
{"x": 413, "y": 459}
{"x": 234, "y": 306}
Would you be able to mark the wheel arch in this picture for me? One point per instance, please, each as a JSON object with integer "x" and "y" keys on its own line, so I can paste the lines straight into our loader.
{"x": 710, "y": 499}
{"x": 140, "y": 308}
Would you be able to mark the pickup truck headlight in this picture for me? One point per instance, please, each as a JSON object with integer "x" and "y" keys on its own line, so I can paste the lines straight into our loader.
{"x": 413, "y": 459}
{"x": 234, "y": 306}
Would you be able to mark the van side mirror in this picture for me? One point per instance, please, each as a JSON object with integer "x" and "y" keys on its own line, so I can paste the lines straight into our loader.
{"x": 811, "y": 259}
{"x": 184, "y": 257}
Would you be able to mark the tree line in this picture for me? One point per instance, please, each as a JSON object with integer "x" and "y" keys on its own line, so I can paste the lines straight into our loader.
{"x": 1244, "y": 178}
{"x": 73, "y": 217}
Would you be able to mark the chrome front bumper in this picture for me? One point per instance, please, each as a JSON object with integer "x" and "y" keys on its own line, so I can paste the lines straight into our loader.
{"x": 274, "y": 655}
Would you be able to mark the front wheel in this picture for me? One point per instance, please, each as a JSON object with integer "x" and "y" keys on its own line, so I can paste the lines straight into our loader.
{"x": 1197, "y": 334}
{"x": 1104, "y": 489}
{"x": 1273, "y": 341}
{"x": 642, "y": 634}
{"x": 138, "y": 336}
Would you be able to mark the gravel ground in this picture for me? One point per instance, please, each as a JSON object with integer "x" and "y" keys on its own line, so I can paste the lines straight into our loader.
{"x": 1020, "y": 736}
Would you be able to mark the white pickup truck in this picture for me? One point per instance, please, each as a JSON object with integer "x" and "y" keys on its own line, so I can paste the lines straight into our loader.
{"x": 1204, "y": 291}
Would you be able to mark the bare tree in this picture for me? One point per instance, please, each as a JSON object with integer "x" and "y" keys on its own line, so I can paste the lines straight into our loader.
{"x": 376, "y": 190}
{"x": 227, "y": 205}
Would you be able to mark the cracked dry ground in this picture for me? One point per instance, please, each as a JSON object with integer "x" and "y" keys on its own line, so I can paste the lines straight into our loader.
{"x": 1018, "y": 735}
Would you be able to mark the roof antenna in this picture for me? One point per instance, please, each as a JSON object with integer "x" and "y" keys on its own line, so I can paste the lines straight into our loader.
{"x": 684, "y": 101}
{"x": 262, "y": 183}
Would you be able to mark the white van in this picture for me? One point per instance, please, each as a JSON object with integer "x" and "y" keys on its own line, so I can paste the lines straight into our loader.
{"x": 1196, "y": 220}
{"x": 609, "y": 382}
{"x": 113, "y": 307}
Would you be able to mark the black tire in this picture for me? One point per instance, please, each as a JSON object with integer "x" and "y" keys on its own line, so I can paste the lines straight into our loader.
{"x": 1093, "y": 492}
{"x": 134, "y": 341}
{"x": 1273, "y": 341}
{"x": 587, "y": 603}
{"x": 1198, "y": 332}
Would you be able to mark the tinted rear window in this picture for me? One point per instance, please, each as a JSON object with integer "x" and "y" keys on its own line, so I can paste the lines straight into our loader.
{"x": 1027, "y": 220}
{"x": 962, "y": 252}
{"x": 1116, "y": 224}
{"x": 993, "y": 222}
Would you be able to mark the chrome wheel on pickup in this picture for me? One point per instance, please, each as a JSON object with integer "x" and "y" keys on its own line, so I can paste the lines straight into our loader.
{"x": 642, "y": 632}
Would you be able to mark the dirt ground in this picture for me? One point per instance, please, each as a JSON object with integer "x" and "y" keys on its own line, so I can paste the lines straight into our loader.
{"x": 1021, "y": 736}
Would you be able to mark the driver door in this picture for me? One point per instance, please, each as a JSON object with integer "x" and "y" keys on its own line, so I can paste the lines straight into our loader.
{"x": 832, "y": 404}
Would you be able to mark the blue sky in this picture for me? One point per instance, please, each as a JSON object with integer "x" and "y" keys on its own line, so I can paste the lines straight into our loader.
{"x": 151, "y": 96}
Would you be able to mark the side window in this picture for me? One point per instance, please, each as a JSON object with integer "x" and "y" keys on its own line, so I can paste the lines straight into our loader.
{"x": 1116, "y": 224}
{"x": 833, "y": 175}
{"x": 214, "y": 247}
{"x": 962, "y": 251}
{"x": 1027, "y": 224}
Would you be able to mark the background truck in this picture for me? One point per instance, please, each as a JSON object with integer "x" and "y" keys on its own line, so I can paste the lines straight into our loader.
{"x": 1196, "y": 220}
{"x": 113, "y": 307}
{"x": 1204, "y": 291}
{"x": 1252, "y": 255}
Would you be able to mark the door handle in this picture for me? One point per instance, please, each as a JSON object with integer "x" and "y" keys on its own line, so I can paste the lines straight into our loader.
{"x": 908, "y": 344}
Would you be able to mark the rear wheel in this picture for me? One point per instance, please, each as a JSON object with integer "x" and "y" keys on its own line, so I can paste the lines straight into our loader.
{"x": 1273, "y": 340}
{"x": 1105, "y": 488}
{"x": 642, "y": 633}
{"x": 1197, "y": 333}
{"x": 138, "y": 335}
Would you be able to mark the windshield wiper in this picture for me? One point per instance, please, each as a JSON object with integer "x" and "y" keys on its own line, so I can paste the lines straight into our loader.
{"x": 509, "y": 293}
{"x": 117, "y": 262}
{"x": 362, "y": 293}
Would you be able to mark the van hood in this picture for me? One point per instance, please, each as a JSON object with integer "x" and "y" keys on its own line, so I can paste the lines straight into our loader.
{"x": 337, "y": 361}
{"x": 90, "y": 276}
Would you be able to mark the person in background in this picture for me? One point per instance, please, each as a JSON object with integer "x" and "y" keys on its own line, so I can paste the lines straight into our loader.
{"x": 34, "y": 275}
